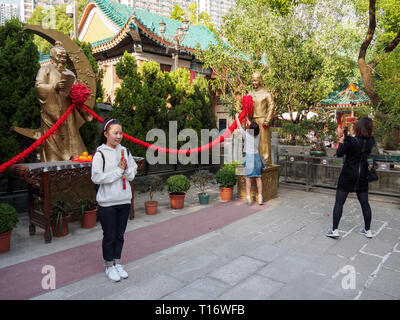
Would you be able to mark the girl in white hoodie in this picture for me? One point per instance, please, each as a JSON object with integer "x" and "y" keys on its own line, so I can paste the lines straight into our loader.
{"x": 112, "y": 169}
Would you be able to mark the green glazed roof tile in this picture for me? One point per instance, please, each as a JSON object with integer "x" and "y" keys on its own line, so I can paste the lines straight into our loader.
{"x": 103, "y": 41}
{"x": 119, "y": 14}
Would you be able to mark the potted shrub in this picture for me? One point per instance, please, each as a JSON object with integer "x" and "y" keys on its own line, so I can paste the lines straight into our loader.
{"x": 200, "y": 180}
{"x": 178, "y": 184}
{"x": 226, "y": 179}
{"x": 8, "y": 220}
{"x": 88, "y": 212}
{"x": 59, "y": 218}
{"x": 153, "y": 184}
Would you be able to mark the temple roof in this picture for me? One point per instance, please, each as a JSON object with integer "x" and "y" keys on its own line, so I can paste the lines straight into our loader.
{"x": 126, "y": 18}
{"x": 348, "y": 95}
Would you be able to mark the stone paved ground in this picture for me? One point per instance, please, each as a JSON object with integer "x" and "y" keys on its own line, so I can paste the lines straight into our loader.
{"x": 280, "y": 252}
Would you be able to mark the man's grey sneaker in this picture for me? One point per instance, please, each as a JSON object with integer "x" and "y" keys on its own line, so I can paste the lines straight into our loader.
{"x": 366, "y": 233}
{"x": 333, "y": 233}
{"x": 112, "y": 274}
{"x": 122, "y": 273}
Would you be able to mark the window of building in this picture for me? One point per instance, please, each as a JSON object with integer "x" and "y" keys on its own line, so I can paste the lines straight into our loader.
{"x": 221, "y": 124}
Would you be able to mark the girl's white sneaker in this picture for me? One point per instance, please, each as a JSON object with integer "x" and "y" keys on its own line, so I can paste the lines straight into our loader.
{"x": 260, "y": 199}
{"x": 122, "y": 273}
{"x": 112, "y": 274}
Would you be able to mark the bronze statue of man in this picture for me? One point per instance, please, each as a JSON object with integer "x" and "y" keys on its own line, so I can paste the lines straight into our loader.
{"x": 53, "y": 84}
{"x": 263, "y": 113}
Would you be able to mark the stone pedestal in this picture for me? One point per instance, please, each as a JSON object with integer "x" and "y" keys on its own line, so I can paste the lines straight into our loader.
{"x": 270, "y": 181}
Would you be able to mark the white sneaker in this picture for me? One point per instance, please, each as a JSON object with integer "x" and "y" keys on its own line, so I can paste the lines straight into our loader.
{"x": 367, "y": 233}
{"x": 260, "y": 199}
{"x": 333, "y": 233}
{"x": 122, "y": 273}
{"x": 248, "y": 199}
{"x": 112, "y": 274}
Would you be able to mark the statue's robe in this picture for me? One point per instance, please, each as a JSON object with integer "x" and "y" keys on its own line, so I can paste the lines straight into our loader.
{"x": 66, "y": 142}
{"x": 263, "y": 113}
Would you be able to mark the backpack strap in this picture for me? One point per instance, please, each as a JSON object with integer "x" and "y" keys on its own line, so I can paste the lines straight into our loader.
{"x": 104, "y": 159}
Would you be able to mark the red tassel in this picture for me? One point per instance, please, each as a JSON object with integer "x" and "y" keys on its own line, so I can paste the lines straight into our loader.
{"x": 247, "y": 103}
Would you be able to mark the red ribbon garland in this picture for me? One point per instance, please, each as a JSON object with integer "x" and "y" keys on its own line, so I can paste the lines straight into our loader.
{"x": 79, "y": 94}
{"x": 176, "y": 151}
{"x": 39, "y": 141}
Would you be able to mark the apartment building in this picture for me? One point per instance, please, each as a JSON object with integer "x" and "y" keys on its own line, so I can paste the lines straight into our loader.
{"x": 8, "y": 11}
{"x": 215, "y": 8}
{"x": 160, "y": 7}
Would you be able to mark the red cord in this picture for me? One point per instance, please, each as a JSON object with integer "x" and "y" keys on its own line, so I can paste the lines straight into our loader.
{"x": 79, "y": 94}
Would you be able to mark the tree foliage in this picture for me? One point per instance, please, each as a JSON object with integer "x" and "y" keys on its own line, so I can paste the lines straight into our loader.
{"x": 377, "y": 49}
{"x": 322, "y": 125}
{"x": 151, "y": 107}
{"x": 127, "y": 95}
{"x": 19, "y": 107}
{"x": 149, "y": 98}
{"x": 387, "y": 84}
{"x": 303, "y": 53}
{"x": 192, "y": 13}
{"x": 53, "y": 17}
{"x": 177, "y": 13}
{"x": 191, "y": 104}
{"x": 284, "y": 6}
